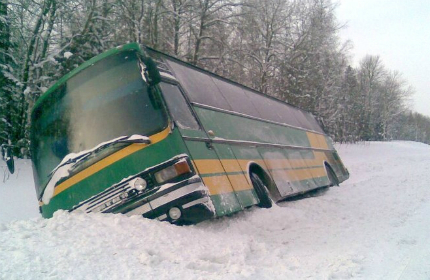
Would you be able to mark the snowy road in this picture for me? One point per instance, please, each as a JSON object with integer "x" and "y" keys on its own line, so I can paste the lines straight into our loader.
{"x": 375, "y": 226}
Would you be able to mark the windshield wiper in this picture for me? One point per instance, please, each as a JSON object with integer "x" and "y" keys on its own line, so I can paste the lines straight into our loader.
{"x": 74, "y": 159}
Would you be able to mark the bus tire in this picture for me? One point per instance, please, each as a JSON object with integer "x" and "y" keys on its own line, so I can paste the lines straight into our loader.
{"x": 262, "y": 192}
{"x": 334, "y": 181}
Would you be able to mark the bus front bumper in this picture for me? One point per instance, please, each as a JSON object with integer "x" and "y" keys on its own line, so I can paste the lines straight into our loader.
{"x": 186, "y": 201}
{"x": 190, "y": 196}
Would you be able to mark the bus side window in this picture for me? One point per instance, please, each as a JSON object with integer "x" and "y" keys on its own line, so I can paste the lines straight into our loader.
{"x": 178, "y": 107}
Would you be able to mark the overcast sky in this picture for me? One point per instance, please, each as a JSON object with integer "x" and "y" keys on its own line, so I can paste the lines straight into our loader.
{"x": 399, "y": 32}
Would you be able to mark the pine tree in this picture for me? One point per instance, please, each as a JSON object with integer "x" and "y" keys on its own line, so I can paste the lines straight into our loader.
{"x": 7, "y": 81}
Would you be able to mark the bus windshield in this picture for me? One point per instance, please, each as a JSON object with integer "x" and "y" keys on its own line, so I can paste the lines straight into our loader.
{"x": 102, "y": 102}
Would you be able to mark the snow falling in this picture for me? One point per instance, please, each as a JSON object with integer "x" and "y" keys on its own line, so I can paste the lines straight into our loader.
{"x": 374, "y": 226}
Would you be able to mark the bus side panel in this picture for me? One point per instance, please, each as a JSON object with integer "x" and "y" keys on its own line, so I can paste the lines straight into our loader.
{"x": 313, "y": 169}
{"x": 319, "y": 141}
{"x": 279, "y": 168}
{"x": 241, "y": 186}
{"x": 231, "y": 127}
{"x": 290, "y": 169}
{"x": 324, "y": 142}
{"x": 319, "y": 172}
{"x": 294, "y": 170}
{"x": 289, "y": 178}
{"x": 245, "y": 156}
{"x": 215, "y": 178}
{"x": 303, "y": 179}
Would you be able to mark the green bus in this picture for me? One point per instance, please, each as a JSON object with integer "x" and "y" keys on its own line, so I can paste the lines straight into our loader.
{"x": 138, "y": 132}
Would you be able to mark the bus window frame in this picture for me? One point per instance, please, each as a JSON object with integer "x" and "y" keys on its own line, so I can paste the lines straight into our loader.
{"x": 187, "y": 101}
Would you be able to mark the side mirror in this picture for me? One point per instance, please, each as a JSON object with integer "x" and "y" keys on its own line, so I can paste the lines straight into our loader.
{"x": 6, "y": 152}
{"x": 152, "y": 74}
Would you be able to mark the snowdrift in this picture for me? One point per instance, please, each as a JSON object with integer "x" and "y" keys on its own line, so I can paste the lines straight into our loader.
{"x": 374, "y": 226}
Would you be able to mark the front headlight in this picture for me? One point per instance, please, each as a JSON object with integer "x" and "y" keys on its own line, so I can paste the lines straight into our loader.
{"x": 139, "y": 184}
{"x": 168, "y": 173}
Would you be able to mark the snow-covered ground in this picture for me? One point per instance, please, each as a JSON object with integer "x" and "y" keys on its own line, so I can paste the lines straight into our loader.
{"x": 375, "y": 226}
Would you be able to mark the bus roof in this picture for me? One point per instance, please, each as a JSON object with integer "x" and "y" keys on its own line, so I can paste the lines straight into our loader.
{"x": 159, "y": 53}
{"x": 159, "y": 56}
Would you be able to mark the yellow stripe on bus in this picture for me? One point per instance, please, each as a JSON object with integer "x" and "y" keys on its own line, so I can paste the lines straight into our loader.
{"x": 221, "y": 182}
{"x": 317, "y": 140}
{"x": 289, "y": 163}
{"x": 108, "y": 161}
{"x": 208, "y": 166}
{"x": 299, "y": 174}
{"x": 213, "y": 166}
{"x": 239, "y": 182}
{"x": 245, "y": 162}
{"x": 218, "y": 184}
{"x": 318, "y": 172}
{"x": 231, "y": 165}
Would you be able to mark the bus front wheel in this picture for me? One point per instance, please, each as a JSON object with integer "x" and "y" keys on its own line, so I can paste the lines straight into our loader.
{"x": 262, "y": 192}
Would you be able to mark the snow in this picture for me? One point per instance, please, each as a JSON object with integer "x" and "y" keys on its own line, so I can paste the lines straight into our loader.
{"x": 17, "y": 194}
{"x": 167, "y": 75}
{"x": 374, "y": 226}
{"x": 11, "y": 77}
{"x": 136, "y": 137}
{"x": 27, "y": 90}
{"x": 67, "y": 54}
{"x": 59, "y": 173}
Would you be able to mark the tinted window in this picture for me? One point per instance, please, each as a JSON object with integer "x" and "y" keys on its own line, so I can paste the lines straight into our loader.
{"x": 236, "y": 98}
{"x": 199, "y": 86}
{"x": 313, "y": 122}
{"x": 287, "y": 114}
{"x": 300, "y": 115}
{"x": 178, "y": 107}
{"x": 265, "y": 107}
{"x": 205, "y": 89}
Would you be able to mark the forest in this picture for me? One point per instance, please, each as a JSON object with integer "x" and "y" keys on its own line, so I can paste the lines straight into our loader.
{"x": 288, "y": 49}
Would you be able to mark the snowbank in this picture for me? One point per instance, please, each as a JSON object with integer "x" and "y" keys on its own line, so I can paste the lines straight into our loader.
{"x": 17, "y": 193}
{"x": 375, "y": 226}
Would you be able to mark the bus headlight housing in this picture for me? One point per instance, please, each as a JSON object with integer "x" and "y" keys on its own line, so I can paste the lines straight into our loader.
{"x": 170, "y": 172}
{"x": 139, "y": 184}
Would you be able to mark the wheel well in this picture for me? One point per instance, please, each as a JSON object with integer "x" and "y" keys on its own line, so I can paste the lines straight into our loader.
{"x": 329, "y": 170}
{"x": 266, "y": 178}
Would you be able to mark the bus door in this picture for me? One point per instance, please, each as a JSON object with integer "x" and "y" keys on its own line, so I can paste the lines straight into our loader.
{"x": 225, "y": 140}
{"x": 236, "y": 175}
{"x": 218, "y": 133}
{"x": 202, "y": 152}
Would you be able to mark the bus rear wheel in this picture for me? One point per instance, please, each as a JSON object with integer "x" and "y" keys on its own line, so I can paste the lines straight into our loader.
{"x": 262, "y": 192}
